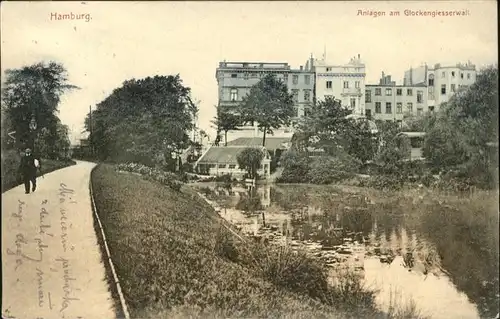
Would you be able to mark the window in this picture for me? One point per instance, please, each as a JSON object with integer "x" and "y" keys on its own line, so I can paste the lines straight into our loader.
{"x": 399, "y": 107}
{"x": 328, "y": 84}
{"x": 307, "y": 95}
{"x": 234, "y": 94}
{"x": 212, "y": 165}
{"x": 409, "y": 106}
{"x": 409, "y": 92}
{"x": 388, "y": 92}
{"x": 295, "y": 94}
{"x": 453, "y": 74}
{"x": 307, "y": 79}
{"x": 254, "y": 75}
{"x": 356, "y": 84}
{"x": 295, "y": 79}
{"x": 431, "y": 108}
{"x": 443, "y": 74}
{"x": 246, "y": 76}
{"x": 420, "y": 111}
{"x": 452, "y": 88}
{"x": 378, "y": 91}
{"x": 431, "y": 80}
{"x": 388, "y": 108}
{"x": 285, "y": 78}
{"x": 222, "y": 165}
{"x": 353, "y": 102}
{"x": 378, "y": 107}
{"x": 399, "y": 91}
{"x": 368, "y": 113}
{"x": 420, "y": 96}
{"x": 346, "y": 84}
{"x": 232, "y": 166}
{"x": 443, "y": 89}
{"x": 234, "y": 75}
{"x": 306, "y": 111}
{"x": 468, "y": 76}
{"x": 328, "y": 69}
{"x": 368, "y": 96}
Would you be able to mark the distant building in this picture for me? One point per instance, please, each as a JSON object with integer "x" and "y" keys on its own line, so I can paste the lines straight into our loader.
{"x": 249, "y": 131}
{"x": 391, "y": 102}
{"x": 274, "y": 145}
{"x": 235, "y": 79}
{"x": 220, "y": 160}
{"x": 416, "y": 140}
{"x": 343, "y": 82}
{"x": 441, "y": 81}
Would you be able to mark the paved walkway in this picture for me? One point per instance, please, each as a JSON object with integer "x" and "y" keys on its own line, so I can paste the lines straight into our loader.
{"x": 51, "y": 262}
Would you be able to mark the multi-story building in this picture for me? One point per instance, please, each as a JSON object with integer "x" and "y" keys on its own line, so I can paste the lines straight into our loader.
{"x": 391, "y": 102}
{"x": 441, "y": 81}
{"x": 235, "y": 79}
{"x": 345, "y": 83}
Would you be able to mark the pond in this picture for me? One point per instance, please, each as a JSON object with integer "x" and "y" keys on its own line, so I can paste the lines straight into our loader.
{"x": 439, "y": 251}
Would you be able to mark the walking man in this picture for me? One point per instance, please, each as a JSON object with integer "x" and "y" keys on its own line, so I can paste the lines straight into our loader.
{"x": 28, "y": 170}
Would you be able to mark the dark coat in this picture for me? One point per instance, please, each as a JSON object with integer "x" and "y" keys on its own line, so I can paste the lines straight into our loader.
{"x": 27, "y": 166}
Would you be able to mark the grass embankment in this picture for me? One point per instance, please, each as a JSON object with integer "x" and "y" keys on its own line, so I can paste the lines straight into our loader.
{"x": 10, "y": 165}
{"x": 175, "y": 259}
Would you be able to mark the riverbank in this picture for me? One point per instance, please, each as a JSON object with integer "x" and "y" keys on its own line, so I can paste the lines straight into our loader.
{"x": 175, "y": 257}
{"x": 446, "y": 234}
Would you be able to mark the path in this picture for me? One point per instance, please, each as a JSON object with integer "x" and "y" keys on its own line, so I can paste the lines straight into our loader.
{"x": 51, "y": 261}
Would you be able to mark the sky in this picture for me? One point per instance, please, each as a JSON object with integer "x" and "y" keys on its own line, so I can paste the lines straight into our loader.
{"x": 125, "y": 40}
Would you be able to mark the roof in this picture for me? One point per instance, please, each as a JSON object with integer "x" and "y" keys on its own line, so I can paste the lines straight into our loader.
{"x": 412, "y": 134}
{"x": 222, "y": 154}
{"x": 272, "y": 143}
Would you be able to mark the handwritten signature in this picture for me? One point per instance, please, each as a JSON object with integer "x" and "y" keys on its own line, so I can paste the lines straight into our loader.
{"x": 19, "y": 242}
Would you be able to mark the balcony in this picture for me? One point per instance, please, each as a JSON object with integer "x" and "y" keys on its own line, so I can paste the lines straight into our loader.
{"x": 351, "y": 92}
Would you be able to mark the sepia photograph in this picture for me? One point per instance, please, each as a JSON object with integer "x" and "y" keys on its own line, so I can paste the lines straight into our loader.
{"x": 249, "y": 159}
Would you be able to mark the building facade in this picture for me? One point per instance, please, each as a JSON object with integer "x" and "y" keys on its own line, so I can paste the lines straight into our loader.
{"x": 391, "y": 102}
{"x": 342, "y": 82}
{"x": 222, "y": 160}
{"x": 442, "y": 81}
{"x": 235, "y": 79}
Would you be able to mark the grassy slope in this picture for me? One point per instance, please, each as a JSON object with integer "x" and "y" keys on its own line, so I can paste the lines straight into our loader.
{"x": 165, "y": 248}
{"x": 10, "y": 164}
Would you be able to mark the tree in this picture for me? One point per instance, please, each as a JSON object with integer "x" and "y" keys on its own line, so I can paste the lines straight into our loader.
{"x": 250, "y": 159}
{"x": 146, "y": 121}
{"x": 328, "y": 127}
{"x": 459, "y": 137}
{"x": 225, "y": 121}
{"x": 33, "y": 92}
{"x": 394, "y": 149}
{"x": 269, "y": 104}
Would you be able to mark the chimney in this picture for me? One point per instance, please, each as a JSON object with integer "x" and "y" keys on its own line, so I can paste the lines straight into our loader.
{"x": 359, "y": 56}
{"x": 301, "y": 68}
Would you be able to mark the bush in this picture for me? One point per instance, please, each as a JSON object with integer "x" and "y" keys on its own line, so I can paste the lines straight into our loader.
{"x": 332, "y": 169}
{"x": 295, "y": 167}
{"x": 166, "y": 178}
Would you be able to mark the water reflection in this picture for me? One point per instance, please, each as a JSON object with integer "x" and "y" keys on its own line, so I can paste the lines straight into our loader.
{"x": 445, "y": 266}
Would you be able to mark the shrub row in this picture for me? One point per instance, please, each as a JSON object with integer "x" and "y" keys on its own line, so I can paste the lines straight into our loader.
{"x": 166, "y": 178}
{"x": 298, "y": 168}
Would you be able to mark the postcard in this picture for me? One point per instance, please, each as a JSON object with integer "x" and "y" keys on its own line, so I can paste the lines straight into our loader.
{"x": 241, "y": 159}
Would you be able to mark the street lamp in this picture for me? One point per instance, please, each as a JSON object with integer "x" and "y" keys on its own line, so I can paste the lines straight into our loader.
{"x": 32, "y": 127}
{"x": 32, "y": 124}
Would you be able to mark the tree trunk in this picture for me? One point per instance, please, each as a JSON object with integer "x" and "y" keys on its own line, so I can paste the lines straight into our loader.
{"x": 264, "y": 137}
{"x": 225, "y": 138}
